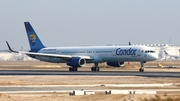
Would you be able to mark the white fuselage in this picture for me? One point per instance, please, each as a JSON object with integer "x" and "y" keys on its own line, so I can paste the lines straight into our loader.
{"x": 101, "y": 53}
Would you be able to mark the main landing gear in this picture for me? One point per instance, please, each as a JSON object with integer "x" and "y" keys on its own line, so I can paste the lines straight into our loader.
{"x": 95, "y": 68}
{"x": 142, "y": 66}
{"x": 73, "y": 69}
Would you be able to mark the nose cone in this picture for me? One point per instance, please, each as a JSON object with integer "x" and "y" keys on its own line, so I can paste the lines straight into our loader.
{"x": 154, "y": 56}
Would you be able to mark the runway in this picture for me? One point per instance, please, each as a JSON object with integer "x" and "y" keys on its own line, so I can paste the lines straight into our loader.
{"x": 67, "y": 88}
{"x": 45, "y": 83}
{"x": 89, "y": 73}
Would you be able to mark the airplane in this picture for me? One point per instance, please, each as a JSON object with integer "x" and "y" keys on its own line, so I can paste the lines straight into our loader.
{"x": 175, "y": 56}
{"x": 78, "y": 56}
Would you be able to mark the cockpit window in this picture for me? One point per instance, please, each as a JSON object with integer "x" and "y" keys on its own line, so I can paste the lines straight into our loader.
{"x": 149, "y": 51}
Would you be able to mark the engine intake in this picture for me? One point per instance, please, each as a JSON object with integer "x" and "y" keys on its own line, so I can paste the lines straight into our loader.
{"x": 76, "y": 62}
{"x": 116, "y": 64}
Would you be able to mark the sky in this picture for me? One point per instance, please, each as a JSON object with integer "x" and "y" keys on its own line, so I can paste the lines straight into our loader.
{"x": 90, "y": 22}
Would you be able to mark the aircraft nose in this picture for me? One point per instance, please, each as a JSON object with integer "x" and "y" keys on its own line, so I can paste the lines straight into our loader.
{"x": 155, "y": 56}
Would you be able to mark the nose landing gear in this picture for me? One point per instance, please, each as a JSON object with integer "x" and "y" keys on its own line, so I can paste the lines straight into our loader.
{"x": 142, "y": 66}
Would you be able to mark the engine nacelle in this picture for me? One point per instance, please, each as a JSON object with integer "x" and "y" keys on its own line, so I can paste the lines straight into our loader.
{"x": 116, "y": 64}
{"x": 76, "y": 62}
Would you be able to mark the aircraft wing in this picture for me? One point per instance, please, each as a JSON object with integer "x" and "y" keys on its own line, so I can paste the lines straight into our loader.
{"x": 55, "y": 55}
{"x": 65, "y": 57}
{"x": 175, "y": 56}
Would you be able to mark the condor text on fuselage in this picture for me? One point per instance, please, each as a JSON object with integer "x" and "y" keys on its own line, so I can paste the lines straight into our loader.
{"x": 129, "y": 51}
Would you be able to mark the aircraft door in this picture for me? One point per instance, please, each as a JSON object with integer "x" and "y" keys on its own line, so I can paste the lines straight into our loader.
{"x": 114, "y": 53}
{"x": 138, "y": 52}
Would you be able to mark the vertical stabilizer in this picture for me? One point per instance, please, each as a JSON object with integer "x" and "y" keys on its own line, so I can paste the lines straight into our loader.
{"x": 166, "y": 53}
{"x": 34, "y": 41}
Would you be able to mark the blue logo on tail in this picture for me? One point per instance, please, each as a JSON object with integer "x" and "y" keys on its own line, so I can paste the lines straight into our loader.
{"x": 33, "y": 39}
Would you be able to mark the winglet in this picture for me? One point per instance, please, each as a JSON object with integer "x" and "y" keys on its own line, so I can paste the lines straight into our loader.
{"x": 129, "y": 43}
{"x": 10, "y": 49}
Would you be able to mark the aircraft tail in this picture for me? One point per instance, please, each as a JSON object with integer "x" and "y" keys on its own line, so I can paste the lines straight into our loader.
{"x": 34, "y": 41}
{"x": 166, "y": 53}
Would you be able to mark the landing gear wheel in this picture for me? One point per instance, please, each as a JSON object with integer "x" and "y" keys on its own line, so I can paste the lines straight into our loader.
{"x": 141, "y": 70}
{"x": 142, "y": 66}
{"x": 70, "y": 69}
{"x": 95, "y": 69}
{"x": 92, "y": 69}
{"x": 73, "y": 68}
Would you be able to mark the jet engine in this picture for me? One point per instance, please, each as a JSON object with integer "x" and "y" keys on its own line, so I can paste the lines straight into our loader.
{"x": 76, "y": 62}
{"x": 116, "y": 64}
